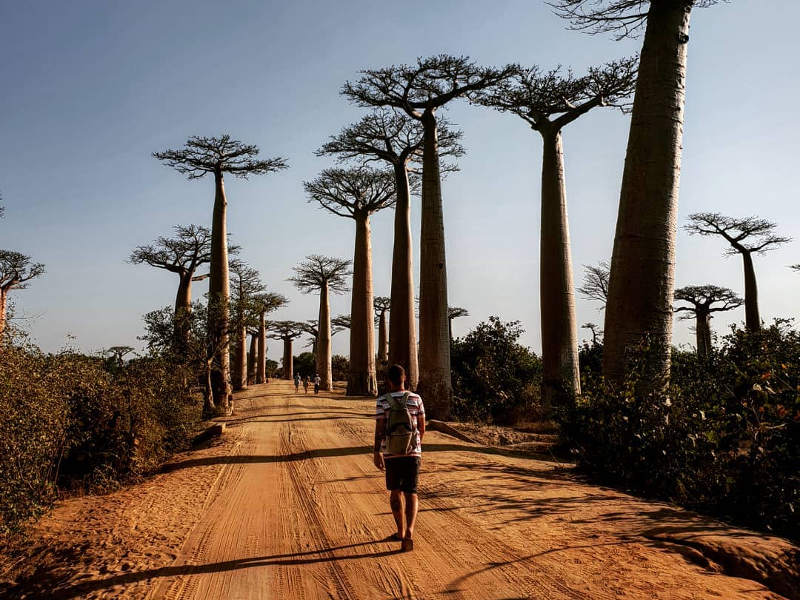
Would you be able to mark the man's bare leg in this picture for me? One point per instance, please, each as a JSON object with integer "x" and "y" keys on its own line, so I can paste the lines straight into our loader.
{"x": 396, "y": 503}
{"x": 412, "y": 504}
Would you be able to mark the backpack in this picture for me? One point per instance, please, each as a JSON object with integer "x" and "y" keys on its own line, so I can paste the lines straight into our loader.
{"x": 400, "y": 426}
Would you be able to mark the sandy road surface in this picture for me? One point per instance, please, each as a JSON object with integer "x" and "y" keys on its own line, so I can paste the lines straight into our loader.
{"x": 294, "y": 509}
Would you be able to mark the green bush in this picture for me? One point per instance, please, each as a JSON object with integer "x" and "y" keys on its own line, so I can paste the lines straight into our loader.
{"x": 73, "y": 421}
{"x": 725, "y": 436}
{"x": 495, "y": 378}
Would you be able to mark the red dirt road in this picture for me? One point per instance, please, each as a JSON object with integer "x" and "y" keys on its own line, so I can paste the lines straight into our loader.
{"x": 291, "y": 507}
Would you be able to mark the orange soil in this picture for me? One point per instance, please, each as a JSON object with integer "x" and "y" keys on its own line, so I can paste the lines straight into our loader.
{"x": 289, "y": 506}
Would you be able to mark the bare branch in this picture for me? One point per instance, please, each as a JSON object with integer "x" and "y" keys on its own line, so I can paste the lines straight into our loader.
{"x": 595, "y": 283}
{"x": 16, "y": 269}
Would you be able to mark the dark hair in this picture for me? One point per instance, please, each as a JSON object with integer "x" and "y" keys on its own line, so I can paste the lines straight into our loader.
{"x": 395, "y": 374}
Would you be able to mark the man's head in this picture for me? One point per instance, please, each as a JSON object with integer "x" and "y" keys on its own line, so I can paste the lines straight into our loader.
{"x": 396, "y": 378}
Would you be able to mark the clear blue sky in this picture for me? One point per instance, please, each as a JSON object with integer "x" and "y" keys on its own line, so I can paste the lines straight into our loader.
{"x": 92, "y": 88}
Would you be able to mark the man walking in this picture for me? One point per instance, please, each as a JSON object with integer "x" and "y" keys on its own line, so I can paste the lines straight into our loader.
{"x": 399, "y": 427}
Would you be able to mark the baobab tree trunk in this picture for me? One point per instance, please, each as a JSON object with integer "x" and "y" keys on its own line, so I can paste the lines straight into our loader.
{"x": 703, "y": 332}
{"x": 240, "y": 361}
{"x": 383, "y": 338}
{"x": 434, "y": 334}
{"x": 751, "y": 316}
{"x": 323, "y": 350}
{"x": 183, "y": 306}
{"x": 402, "y": 321}
{"x": 560, "y": 377}
{"x": 361, "y": 380}
{"x": 251, "y": 360}
{"x": 3, "y": 308}
{"x": 219, "y": 292}
{"x": 288, "y": 360}
{"x": 643, "y": 262}
{"x": 261, "y": 363}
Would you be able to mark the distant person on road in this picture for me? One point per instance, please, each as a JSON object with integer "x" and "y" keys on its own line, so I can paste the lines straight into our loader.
{"x": 305, "y": 384}
{"x": 317, "y": 381}
{"x": 297, "y": 383}
{"x": 399, "y": 427}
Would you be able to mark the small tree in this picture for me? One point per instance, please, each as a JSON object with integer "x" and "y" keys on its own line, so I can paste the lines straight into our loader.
{"x": 286, "y": 331}
{"x": 183, "y": 255}
{"x": 246, "y": 287}
{"x": 382, "y": 305}
{"x": 595, "y": 283}
{"x": 390, "y": 135}
{"x": 265, "y": 303}
{"x": 420, "y": 90}
{"x": 704, "y": 300}
{"x": 548, "y": 101}
{"x": 325, "y": 275}
{"x": 218, "y": 155}
{"x": 747, "y": 236}
{"x": 597, "y": 333}
{"x": 643, "y": 262}
{"x": 454, "y": 312}
{"x": 16, "y": 270}
{"x": 357, "y": 194}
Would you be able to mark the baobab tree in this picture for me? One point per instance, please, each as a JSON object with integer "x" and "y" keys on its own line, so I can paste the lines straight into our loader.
{"x": 596, "y": 332}
{"x": 16, "y": 270}
{"x": 342, "y": 321}
{"x": 265, "y": 303}
{"x": 704, "y": 300}
{"x": 454, "y": 312}
{"x": 643, "y": 261}
{"x": 286, "y": 331}
{"x": 746, "y": 236}
{"x": 420, "y": 90}
{"x": 183, "y": 255}
{"x": 311, "y": 328}
{"x": 595, "y": 283}
{"x": 246, "y": 285}
{"x": 218, "y": 155}
{"x": 357, "y": 194}
{"x": 548, "y": 101}
{"x": 325, "y": 275}
{"x": 382, "y": 304}
{"x": 389, "y": 135}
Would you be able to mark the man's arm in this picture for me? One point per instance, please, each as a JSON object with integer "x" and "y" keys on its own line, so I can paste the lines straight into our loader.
{"x": 421, "y": 425}
{"x": 380, "y": 428}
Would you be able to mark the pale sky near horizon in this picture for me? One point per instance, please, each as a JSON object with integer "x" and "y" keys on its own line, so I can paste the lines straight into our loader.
{"x": 92, "y": 88}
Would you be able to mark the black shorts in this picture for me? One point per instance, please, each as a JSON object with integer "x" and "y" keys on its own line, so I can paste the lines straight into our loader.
{"x": 402, "y": 473}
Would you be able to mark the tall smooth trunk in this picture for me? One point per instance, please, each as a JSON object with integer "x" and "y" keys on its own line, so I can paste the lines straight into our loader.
{"x": 751, "y": 315}
{"x": 251, "y": 359}
{"x": 219, "y": 292}
{"x": 240, "y": 361}
{"x": 3, "y": 308}
{"x": 560, "y": 371}
{"x": 288, "y": 360}
{"x": 434, "y": 335}
{"x": 323, "y": 350}
{"x": 402, "y": 321}
{"x": 183, "y": 306}
{"x": 361, "y": 380}
{"x": 261, "y": 362}
{"x": 383, "y": 338}
{"x": 703, "y": 332}
{"x": 643, "y": 262}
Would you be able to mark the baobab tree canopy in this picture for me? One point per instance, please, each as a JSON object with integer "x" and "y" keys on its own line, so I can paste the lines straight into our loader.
{"x": 190, "y": 248}
{"x": 388, "y": 135}
{"x": 16, "y": 270}
{"x": 623, "y": 18}
{"x": 347, "y": 192}
{"x": 706, "y": 298}
{"x": 427, "y": 85}
{"x": 316, "y": 270}
{"x": 749, "y": 234}
{"x": 554, "y": 98}
{"x": 202, "y": 155}
{"x": 595, "y": 282}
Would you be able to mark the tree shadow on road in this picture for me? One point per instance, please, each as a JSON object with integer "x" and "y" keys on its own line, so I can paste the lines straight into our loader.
{"x": 49, "y": 584}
